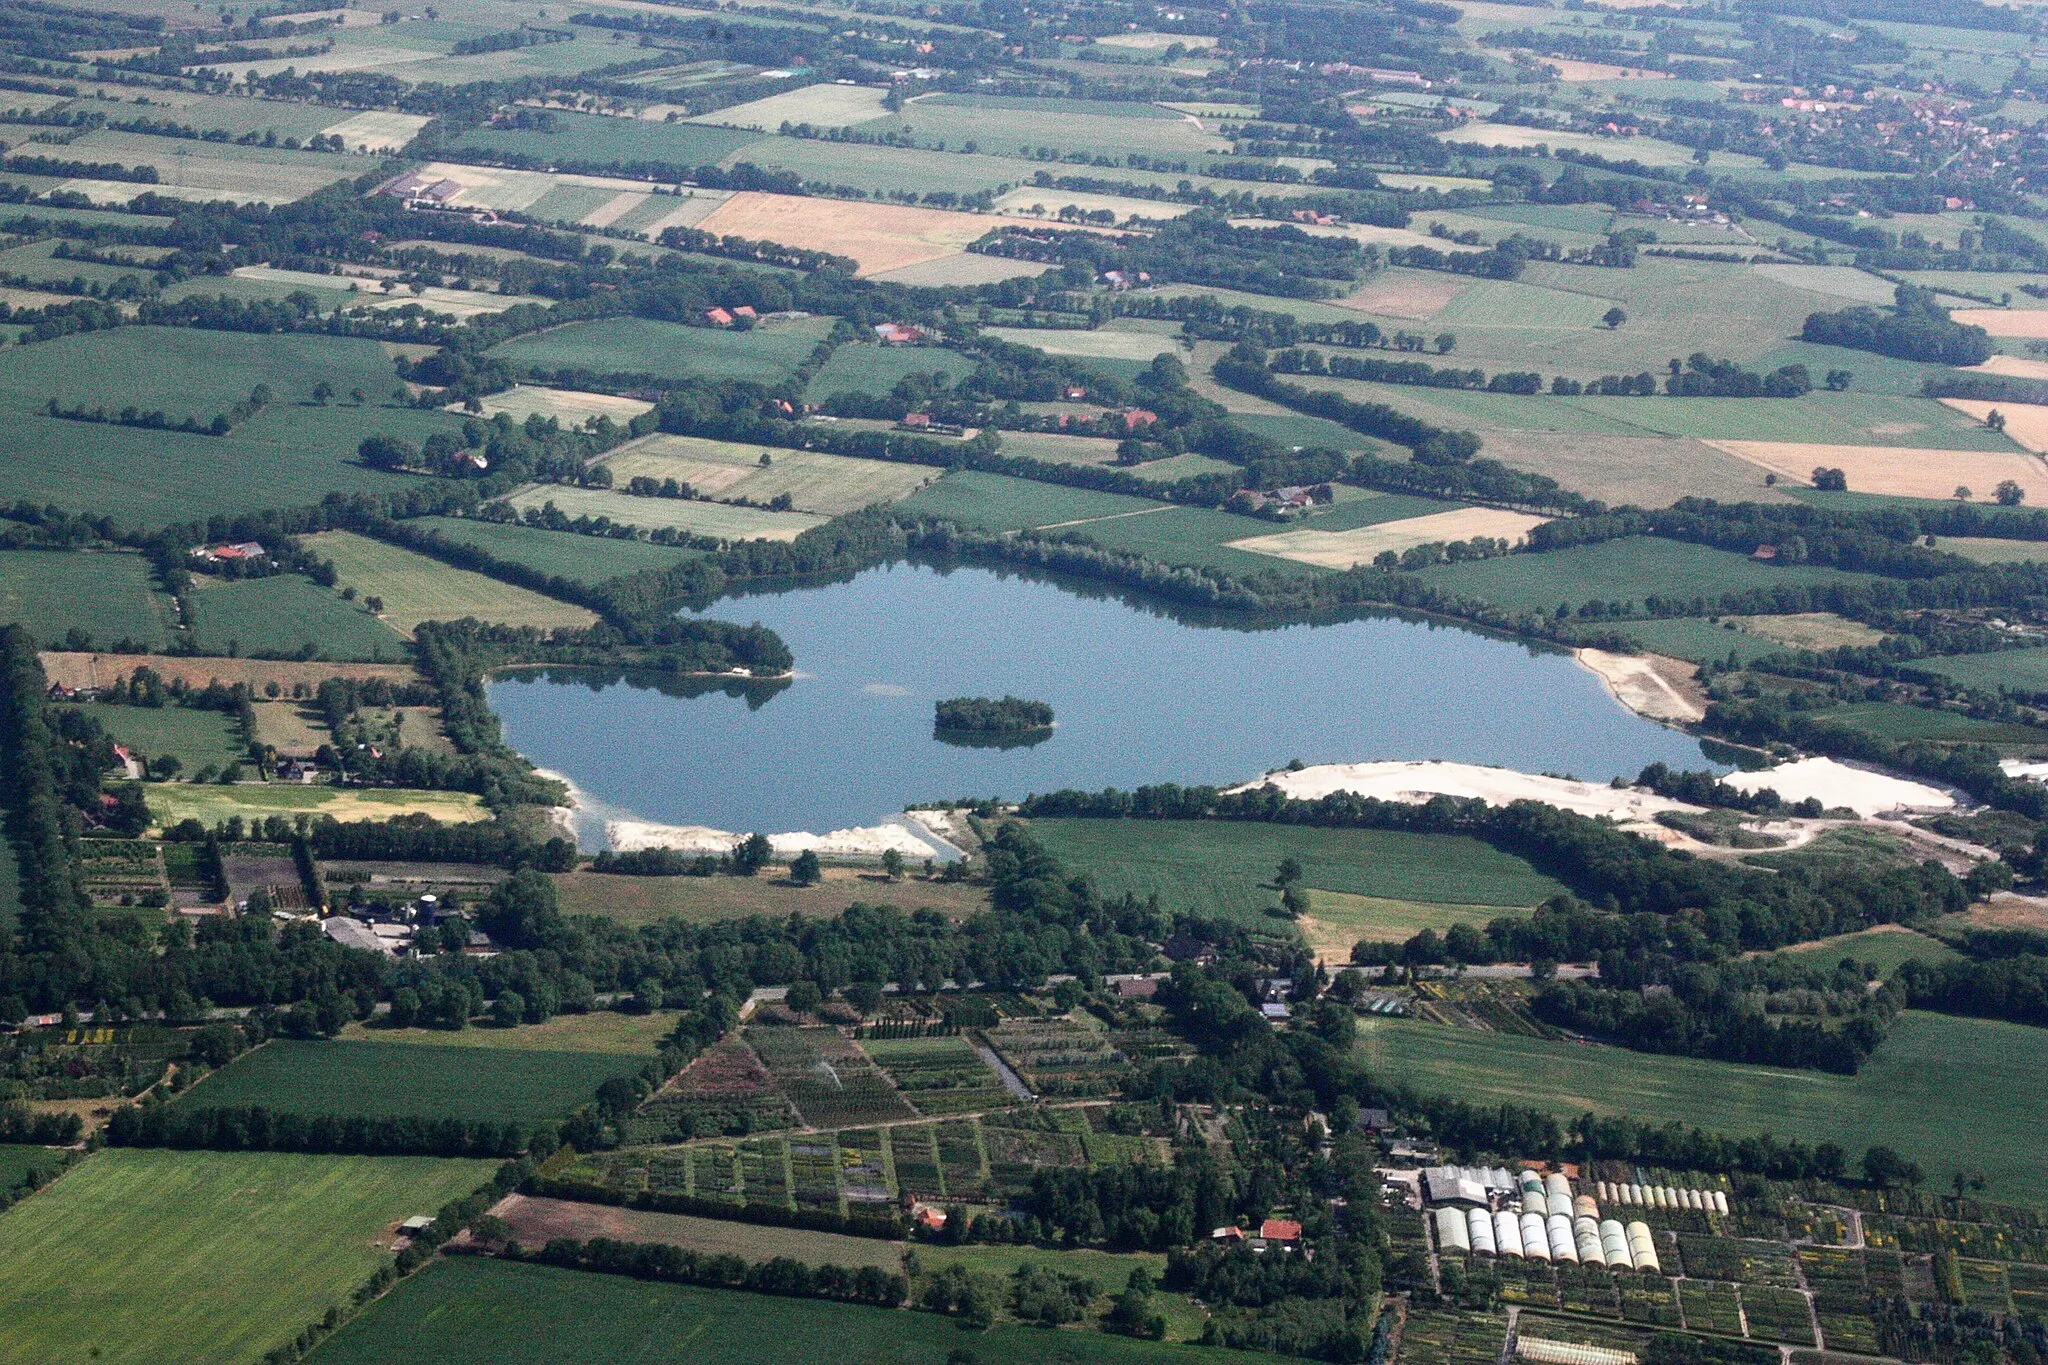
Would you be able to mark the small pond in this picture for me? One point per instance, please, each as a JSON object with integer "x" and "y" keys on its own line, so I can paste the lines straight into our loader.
{"x": 1141, "y": 695}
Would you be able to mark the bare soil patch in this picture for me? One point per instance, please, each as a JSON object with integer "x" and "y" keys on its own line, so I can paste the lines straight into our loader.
{"x": 1404, "y": 296}
{"x": 1897, "y": 471}
{"x": 2010, "y": 912}
{"x": 535, "y": 1221}
{"x": 1650, "y": 685}
{"x": 727, "y": 1070}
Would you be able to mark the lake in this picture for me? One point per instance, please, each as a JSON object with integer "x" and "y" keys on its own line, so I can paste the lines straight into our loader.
{"x": 1141, "y": 697}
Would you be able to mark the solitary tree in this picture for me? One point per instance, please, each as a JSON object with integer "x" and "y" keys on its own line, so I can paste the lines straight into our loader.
{"x": 1962, "y": 492}
{"x": 1614, "y": 317}
{"x": 892, "y": 864}
{"x": 804, "y": 869}
{"x": 1995, "y": 420}
{"x": 2010, "y": 494}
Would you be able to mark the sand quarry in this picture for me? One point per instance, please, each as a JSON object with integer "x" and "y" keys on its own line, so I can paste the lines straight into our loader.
{"x": 1416, "y": 782}
{"x": 1835, "y": 784}
{"x": 1344, "y": 549}
{"x": 634, "y": 836}
{"x": 1898, "y": 471}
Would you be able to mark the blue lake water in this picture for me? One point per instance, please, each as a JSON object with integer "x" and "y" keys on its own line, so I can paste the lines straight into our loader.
{"x": 1141, "y": 697}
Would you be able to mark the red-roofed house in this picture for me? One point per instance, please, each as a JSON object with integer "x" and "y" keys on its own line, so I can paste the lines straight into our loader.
{"x": 745, "y": 310}
{"x": 1285, "y": 1231}
{"x": 718, "y": 317}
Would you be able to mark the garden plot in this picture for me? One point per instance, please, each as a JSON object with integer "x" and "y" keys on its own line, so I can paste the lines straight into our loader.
{"x": 698, "y": 518}
{"x": 1017, "y": 1152}
{"x": 727, "y": 1089}
{"x": 914, "y": 1155}
{"x": 940, "y": 1075}
{"x": 827, "y": 1077}
{"x": 568, "y": 406}
{"x": 1347, "y": 549}
{"x": 1059, "y": 1056}
{"x": 830, "y": 485}
{"x": 1897, "y": 471}
{"x": 825, "y": 105}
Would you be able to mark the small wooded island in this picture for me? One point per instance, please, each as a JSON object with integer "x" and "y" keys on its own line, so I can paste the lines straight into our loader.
{"x": 990, "y": 716}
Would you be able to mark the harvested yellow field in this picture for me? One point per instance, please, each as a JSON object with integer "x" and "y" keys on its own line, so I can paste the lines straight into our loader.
{"x": 1810, "y": 629}
{"x": 1570, "y": 70}
{"x": 210, "y": 803}
{"x": 876, "y": 236}
{"x": 1368, "y": 233}
{"x": 416, "y": 588}
{"x": 721, "y": 520}
{"x": 567, "y": 406}
{"x": 825, "y": 105}
{"x": 1417, "y": 295}
{"x": 1899, "y": 472}
{"x": 830, "y": 485}
{"x": 1157, "y": 42}
{"x": 2029, "y": 323}
{"x": 376, "y": 131}
{"x": 2025, "y": 423}
{"x": 76, "y": 670}
{"x": 2012, "y": 367}
{"x": 1344, "y": 549}
{"x": 1033, "y": 202}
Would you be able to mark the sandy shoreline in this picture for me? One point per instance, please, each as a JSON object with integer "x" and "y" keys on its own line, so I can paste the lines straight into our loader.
{"x": 1651, "y": 685}
{"x": 1415, "y": 782}
{"x": 633, "y": 836}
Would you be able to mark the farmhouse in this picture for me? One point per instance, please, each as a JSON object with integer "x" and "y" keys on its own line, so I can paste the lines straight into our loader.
{"x": 718, "y": 317}
{"x": 899, "y": 334}
{"x": 242, "y": 552}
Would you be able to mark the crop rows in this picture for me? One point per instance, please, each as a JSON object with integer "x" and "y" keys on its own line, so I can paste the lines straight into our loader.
{"x": 1747, "y": 1262}
{"x": 1777, "y": 1314}
{"x": 1710, "y": 1307}
{"x": 764, "y": 1167}
{"x": 915, "y": 1154}
{"x": 862, "y": 1172}
{"x": 1433, "y": 1338}
{"x": 940, "y": 1075}
{"x": 829, "y": 1079}
{"x": 961, "y": 1160}
{"x": 814, "y": 1171}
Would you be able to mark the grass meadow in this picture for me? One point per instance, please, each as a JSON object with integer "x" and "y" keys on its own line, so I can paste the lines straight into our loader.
{"x": 182, "y": 370}
{"x": 1888, "y": 948}
{"x": 207, "y": 1258}
{"x": 583, "y": 559}
{"x": 1700, "y": 641}
{"x": 194, "y": 737}
{"x": 108, "y": 597}
{"x": 392, "y": 1080}
{"x": 1225, "y": 868}
{"x": 596, "y": 138}
{"x": 1195, "y": 535}
{"x": 286, "y": 616}
{"x": 1626, "y": 570}
{"x": 473, "y": 1311}
{"x": 1947, "y": 1092}
{"x": 2022, "y": 670}
{"x": 697, "y": 517}
{"x": 416, "y": 588}
{"x": 878, "y": 369}
{"x": 667, "y": 349}
{"x": 1002, "y": 503}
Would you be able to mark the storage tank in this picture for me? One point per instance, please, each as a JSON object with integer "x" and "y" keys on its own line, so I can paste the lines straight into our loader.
{"x": 1559, "y": 1231}
{"x": 1641, "y": 1248}
{"x": 1450, "y": 1231}
{"x": 1585, "y": 1206}
{"x": 1720, "y": 1201}
{"x": 1586, "y": 1234}
{"x": 1535, "y": 1241}
{"x": 1479, "y": 1224}
{"x": 1614, "y": 1244}
{"x": 1507, "y": 1233}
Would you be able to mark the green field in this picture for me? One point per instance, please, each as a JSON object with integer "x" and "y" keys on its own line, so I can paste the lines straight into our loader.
{"x": 1196, "y": 535}
{"x": 183, "y": 370}
{"x": 1337, "y": 920}
{"x": 390, "y": 1080}
{"x": 695, "y": 516}
{"x": 211, "y": 803}
{"x": 2022, "y": 670}
{"x": 1217, "y": 867}
{"x": 17, "y": 1163}
{"x": 195, "y": 738}
{"x": 1947, "y": 1092}
{"x": 1002, "y": 503}
{"x": 878, "y": 369}
{"x": 287, "y": 616}
{"x": 108, "y": 597}
{"x": 414, "y": 587}
{"x": 1904, "y": 723}
{"x": 594, "y": 138}
{"x": 1626, "y": 570}
{"x": 582, "y": 559}
{"x": 472, "y": 1311}
{"x": 669, "y": 350}
{"x": 1701, "y": 641}
{"x": 206, "y": 1258}
{"x": 1886, "y": 948}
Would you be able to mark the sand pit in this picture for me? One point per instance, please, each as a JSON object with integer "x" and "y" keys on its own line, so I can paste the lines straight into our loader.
{"x": 1416, "y": 782}
{"x": 1649, "y": 684}
{"x": 2030, "y": 323}
{"x": 1343, "y": 549}
{"x": 1401, "y": 295}
{"x": 633, "y": 836}
{"x": 876, "y": 236}
{"x": 1837, "y": 784}
{"x": 2025, "y": 423}
{"x": 1898, "y": 471}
